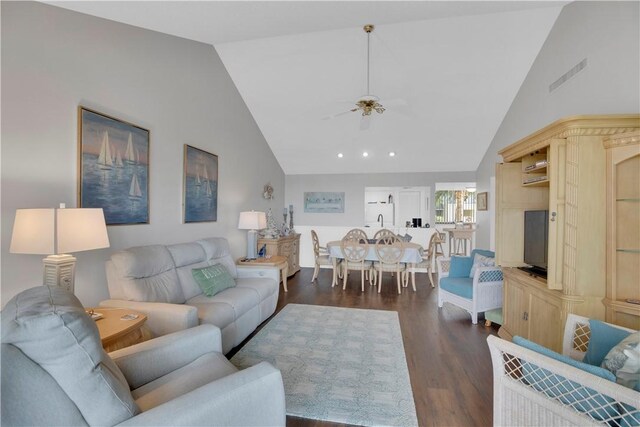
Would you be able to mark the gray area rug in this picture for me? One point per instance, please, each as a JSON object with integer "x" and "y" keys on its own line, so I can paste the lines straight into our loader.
{"x": 343, "y": 365}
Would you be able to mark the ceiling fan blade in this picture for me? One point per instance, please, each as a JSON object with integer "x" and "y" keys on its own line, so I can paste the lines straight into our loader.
{"x": 365, "y": 122}
{"x": 333, "y": 116}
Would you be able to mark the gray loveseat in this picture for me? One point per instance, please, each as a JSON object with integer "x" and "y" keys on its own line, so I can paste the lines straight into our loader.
{"x": 55, "y": 373}
{"x": 156, "y": 280}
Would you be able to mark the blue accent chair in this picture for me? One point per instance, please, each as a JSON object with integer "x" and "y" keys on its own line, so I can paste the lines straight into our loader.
{"x": 476, "y": 294}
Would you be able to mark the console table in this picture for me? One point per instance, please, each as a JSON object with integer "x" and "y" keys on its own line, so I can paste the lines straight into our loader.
{"x": 286, "y": 246}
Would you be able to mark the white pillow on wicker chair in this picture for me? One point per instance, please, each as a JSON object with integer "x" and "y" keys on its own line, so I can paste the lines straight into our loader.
{"x": 481, "y": 261}
{"x": 624, "y": 361}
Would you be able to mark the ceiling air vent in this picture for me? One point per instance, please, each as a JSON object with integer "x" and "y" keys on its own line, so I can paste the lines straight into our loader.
{"x": 566, "y": 76}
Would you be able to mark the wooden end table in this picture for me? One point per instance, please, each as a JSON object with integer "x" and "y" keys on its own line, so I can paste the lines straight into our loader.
{"x": 275, "y": 261}
{"x": 116, "y": 333}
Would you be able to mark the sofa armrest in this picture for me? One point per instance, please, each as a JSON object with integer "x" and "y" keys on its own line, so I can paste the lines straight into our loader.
{"x": 247, "y": 272}
{"x": 162, "y": 318}
{"x": 443, "y": 265}
{"x": 251, "y": 397}
{"x": 149, "y": 360}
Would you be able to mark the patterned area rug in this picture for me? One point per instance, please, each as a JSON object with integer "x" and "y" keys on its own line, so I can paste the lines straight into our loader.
{"x": 342, "y": 365}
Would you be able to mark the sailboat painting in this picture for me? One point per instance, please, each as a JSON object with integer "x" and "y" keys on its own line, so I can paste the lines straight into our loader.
{"x": 200, "y": 192}
{"x": 113, "y": 168}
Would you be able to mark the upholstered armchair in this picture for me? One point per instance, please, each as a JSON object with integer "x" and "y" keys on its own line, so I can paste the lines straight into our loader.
{"x": 476, "y": 293}
{"x": 55, "y": 372}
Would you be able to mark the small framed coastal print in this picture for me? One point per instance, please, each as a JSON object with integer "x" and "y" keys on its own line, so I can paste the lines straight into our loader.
{"x": 113, "y": 167}
{"x": 481, "y": 202}
{"x": 200, "y": 185}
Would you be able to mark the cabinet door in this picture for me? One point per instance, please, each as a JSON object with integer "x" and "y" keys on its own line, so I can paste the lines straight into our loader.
{"x": 545, "y": 321}
{"x": 512, "y": 199}
{"x": 516, "y": 303}
{"x": 557, "y": 191}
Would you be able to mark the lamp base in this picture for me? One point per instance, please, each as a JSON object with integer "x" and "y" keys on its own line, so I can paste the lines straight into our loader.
{"x": 60, "y": 270}
{"x": 252, "y": 244}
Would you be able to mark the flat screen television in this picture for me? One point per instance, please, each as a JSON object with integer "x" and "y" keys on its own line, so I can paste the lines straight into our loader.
{"x": 536, "y": 234}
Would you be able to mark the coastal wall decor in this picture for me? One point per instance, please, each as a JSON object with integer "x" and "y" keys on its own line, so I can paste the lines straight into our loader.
{"x": 324, "y": 202}
{"x": 113, "y": 168}
{"x": 200, "y": 185}
{"x": 482, "y": 202}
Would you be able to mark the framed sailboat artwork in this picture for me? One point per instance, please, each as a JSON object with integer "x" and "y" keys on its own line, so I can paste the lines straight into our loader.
{"x": 113, "y": 167}
{"x": 200, "y": 185}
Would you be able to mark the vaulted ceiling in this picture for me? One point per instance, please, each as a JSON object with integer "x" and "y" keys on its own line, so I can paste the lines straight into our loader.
{"x": 446, "y": 72}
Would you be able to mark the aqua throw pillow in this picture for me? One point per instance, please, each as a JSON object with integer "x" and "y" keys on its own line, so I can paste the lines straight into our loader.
{"x": 460, "y": 266}
{"x": 624, "y": 361}
{"x": 602, "y": 339}
{"x": 213, "y": 279}
{"x": 571, "y": 393}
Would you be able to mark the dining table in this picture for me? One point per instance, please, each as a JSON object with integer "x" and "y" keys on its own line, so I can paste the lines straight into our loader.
{"x": 412, "y": 255}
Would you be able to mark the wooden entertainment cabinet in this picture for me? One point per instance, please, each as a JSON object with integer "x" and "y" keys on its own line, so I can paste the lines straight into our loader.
{"x": 560, "y": 168}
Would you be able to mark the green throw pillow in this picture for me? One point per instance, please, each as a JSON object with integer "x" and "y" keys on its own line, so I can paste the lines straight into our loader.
{"x": 213, "y": 279}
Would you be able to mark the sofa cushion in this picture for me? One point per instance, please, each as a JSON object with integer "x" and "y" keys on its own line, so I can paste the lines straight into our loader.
{"x": 187, "y": 253}
{"x": 147, "y": 273}
{"x": 219, "y": 314}
{"x": 213, "y": 279}
{"x": 264, "y": 287}
{"x": 582, "y": 399}
{"x": 460, "y": 266}
{"x": 50, "y": 326}
{"x": 483, "y": 252}
{"x": 602, "y": 339}
{"x": 205, "y": 369}
{"x": 218, "y": 252}
{"x": 461, "y": 286}
{"x": 188, "y": 284}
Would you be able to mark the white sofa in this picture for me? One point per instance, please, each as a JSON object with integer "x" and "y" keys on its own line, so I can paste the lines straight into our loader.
{"x": 156, "y": 280}
{"x": 564, "y": 395}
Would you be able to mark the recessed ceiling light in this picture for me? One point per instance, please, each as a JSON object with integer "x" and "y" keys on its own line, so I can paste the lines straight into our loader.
{"x": 365, "y": 154}
{"x": 392, "y": 153}
{"x": 340, "y": 155}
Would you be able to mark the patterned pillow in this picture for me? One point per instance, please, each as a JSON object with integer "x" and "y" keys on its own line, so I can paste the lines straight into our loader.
{"x": 624, "y": 361}
{"x": 481, "y": 261}
{"x": 213, "y": 279}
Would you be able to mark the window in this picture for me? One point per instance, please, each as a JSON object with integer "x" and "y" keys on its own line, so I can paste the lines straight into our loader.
{"x": 455, "y": 202}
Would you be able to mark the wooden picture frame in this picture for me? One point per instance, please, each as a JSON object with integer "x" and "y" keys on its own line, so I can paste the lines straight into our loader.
{"x": 482, "y": 201}
{"x": 113, "y": 167}
{"x": 200, "y": 186}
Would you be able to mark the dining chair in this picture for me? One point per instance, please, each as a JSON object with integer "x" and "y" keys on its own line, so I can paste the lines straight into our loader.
{"x": 390, "y": 250}
{"x": 356, "y": 234}
{"x": 354, "y": 253}
{"x": 322, "y": 257}
{"x": 383, "y": 233}
{"x": 434, "y": 250}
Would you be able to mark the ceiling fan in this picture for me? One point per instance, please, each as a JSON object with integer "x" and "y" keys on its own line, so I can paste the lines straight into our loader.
{"x": 368, "y": 103}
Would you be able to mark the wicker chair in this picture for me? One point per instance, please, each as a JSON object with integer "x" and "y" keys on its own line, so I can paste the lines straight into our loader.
{"x": 354, "y": 253}
{"x": 532, "y": 389}
{"x": 390, "y": 251}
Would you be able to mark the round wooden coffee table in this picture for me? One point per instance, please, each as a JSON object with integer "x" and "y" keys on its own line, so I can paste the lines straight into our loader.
{"x": 117, "y": 332}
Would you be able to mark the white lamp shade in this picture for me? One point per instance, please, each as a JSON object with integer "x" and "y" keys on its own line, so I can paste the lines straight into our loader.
{"x": 38, "y": 231}
{"x": 81, "y": 230}
{"x": 252, "y": 220}
{"x": 33, "y": 232}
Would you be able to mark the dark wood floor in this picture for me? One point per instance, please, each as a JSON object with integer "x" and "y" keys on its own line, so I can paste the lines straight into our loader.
{"x": 448, "y": 358}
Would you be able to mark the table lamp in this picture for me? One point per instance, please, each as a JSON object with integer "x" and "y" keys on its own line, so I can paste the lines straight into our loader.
{"x": 252, "y": 221}
{"x": 55, "y": 232}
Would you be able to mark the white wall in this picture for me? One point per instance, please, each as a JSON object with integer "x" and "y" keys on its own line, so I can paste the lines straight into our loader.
{"x": 608, "y": 35}
{"x": 54, "y": 60}
{"x": 353, "y": 185}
